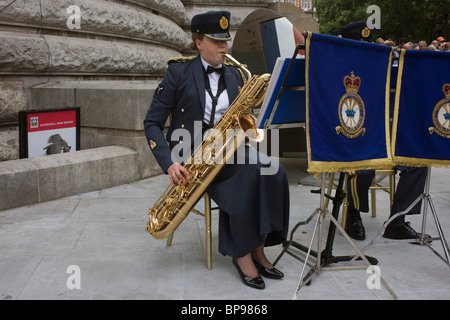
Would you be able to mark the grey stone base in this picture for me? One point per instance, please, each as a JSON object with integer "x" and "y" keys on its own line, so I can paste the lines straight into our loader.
{"x": 33, "y": 180}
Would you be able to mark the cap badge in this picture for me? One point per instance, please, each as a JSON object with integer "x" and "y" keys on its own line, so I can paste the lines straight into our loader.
{"x": 365, "y": 32}
{"x": 223, "y": 23}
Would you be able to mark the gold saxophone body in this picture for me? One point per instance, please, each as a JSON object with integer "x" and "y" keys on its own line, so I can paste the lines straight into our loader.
{"x": 209, "y": 158}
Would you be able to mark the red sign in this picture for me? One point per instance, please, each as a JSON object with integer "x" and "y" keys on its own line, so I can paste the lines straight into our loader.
{"x": 44, "y": 121}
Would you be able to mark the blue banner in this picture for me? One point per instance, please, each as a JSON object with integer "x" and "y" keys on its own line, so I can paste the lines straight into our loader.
{"x": 421, "y": 126}
{"x": 347, "y": 104}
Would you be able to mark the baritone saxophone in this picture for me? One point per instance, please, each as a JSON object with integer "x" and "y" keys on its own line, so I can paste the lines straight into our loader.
{"x": 177, "y": 201}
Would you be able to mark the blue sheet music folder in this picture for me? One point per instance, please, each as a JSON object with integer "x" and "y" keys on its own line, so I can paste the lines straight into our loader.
{"x": 291, "y": 107}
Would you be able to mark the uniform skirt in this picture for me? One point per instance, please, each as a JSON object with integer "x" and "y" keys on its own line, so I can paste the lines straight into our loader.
{"x": 254, "y": 204}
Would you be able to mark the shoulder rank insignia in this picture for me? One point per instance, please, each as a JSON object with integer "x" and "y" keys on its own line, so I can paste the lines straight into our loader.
{"x": 441, "y": 115}
{"x": 351, "y": 109}
{"x": 180, "y": 59}
{"x": 152, "y": 144}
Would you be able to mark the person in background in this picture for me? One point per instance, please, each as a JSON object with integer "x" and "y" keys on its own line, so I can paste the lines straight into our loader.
{"x": 422, "y": 45}
{"x": 410, "y": 186}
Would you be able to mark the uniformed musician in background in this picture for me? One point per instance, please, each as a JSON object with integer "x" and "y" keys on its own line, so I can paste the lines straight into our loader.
{"x": 254, "y": 208}
{"x": 410, "y": 186}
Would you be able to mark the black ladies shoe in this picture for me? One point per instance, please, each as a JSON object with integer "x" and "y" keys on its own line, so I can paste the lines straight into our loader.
{"x": 268, "y": 273}
{"x": 257, "y": 283}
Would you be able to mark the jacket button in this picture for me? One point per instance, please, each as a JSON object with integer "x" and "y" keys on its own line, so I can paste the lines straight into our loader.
{"x": 182, "y": 110}
{"x": 182, "y": 125}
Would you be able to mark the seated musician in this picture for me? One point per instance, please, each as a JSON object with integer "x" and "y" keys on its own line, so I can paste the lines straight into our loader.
{"x": 410, "y": 186}
{"x": 254, "y": 208}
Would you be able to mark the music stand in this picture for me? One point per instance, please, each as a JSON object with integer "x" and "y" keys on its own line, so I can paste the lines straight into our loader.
{"x": 324, "y": 258}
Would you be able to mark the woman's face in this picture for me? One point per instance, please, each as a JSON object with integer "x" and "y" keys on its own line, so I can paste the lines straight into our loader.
{"x": 212, "y": 51}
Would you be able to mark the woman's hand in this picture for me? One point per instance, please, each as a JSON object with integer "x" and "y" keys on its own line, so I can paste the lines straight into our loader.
{"x": 177, "y": 174}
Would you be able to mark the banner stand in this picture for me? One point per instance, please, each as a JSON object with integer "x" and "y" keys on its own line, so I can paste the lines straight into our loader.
{"x": 324, "y": 258}
{"x": 422, "y": 241}
{"x": 322, "y": 262}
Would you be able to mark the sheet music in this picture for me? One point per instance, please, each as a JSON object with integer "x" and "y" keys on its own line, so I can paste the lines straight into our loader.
{"x": 270, "y": 91}
{"x": 291, "y": 106}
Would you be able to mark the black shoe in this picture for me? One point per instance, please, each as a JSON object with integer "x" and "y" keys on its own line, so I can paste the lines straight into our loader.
{"x": 355, "y": 229}
{"x": 402, "y": 232}
{"x": 268, "y": 273}
{"x": 257, "y": 283}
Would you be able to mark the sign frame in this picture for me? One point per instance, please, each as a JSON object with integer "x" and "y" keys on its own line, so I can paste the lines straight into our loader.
{"x": 55, "y": 125}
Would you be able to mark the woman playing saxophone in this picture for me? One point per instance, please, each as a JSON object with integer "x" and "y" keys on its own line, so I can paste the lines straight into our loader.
{"x": 254, "y": 208}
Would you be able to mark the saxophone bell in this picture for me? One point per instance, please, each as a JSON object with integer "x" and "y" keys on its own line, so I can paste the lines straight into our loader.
{"x": 247, "y": 122}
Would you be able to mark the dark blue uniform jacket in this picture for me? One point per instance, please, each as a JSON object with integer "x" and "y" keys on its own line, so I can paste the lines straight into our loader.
{"x": 181, "y": 94}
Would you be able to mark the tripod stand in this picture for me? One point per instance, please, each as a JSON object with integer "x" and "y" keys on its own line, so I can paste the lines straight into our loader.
{"x": 325, "y": 258}
{"x": 422, "y": 240}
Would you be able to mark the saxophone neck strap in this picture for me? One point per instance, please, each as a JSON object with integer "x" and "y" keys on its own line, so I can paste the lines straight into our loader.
{"x": 214, "y": 98}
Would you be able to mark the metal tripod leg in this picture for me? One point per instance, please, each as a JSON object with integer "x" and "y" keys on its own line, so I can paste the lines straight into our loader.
{"x": 436, "y": 221}
{"x": 423, "y": 241}
{"x": 321, "y": 264}
{"x": 318, "y": 268}
{"x": 291, "y": 242}
{"x": 441, "y": 237}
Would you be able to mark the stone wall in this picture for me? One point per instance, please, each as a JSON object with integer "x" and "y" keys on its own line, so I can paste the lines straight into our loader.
{"x": 105, "y": 57}
{"x": 97, "y": 38}
{"x": 12, "y": 100}
{"x": 58, "y": 53}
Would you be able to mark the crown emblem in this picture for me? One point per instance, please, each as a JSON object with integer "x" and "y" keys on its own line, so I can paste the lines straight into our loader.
{"x": 446, "y": 90}
{"x": 352, "y": 83}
